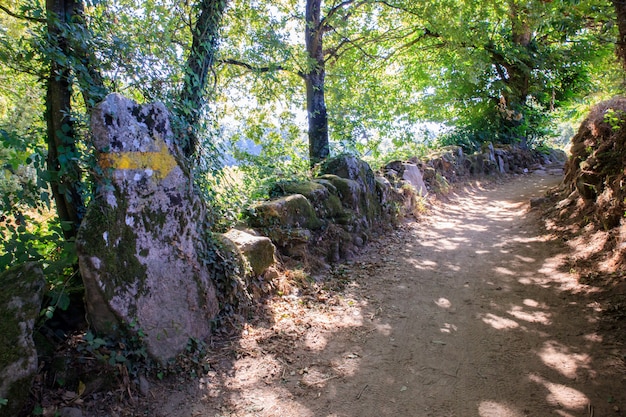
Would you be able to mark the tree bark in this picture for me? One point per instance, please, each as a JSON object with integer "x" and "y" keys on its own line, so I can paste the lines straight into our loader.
{"x": 620, "y": 46}
{"x": 199, "y": 62}
{"x": 63, "y": 168}
{"x": 518, "y": 80}
{"x": 319, "y": 148}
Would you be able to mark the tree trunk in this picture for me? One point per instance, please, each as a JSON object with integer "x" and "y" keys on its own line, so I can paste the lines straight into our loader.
{"x": 319, "y": 148}
{"x": 199, "y": 62}
{"x": 620, "y": 46}
{"x": 63, "y": 168}
{"x": 518, "y": 81}
{"x": 87, "y": 74}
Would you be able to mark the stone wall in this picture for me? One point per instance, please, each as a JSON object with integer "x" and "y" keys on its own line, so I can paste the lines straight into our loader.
{"x": 146, "y": 253}
{"x": 331, "y": 216}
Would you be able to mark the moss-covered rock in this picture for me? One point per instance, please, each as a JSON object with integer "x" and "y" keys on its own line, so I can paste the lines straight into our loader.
{"x": 292, "y": 211}
{"x": 356, "y": 187}
{"x": 352, "y": 168}
{"x": 21, "y": 295}
{"x": 331, "y": 215}
{"x": 449, "y": 162}
{"x": 401, "y": 173}
{"x": 321, "y": 194}
{"x": 310, "y": 189}
{"x": 348, "y": 191}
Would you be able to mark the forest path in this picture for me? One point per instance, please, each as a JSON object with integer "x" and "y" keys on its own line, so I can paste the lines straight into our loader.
{"x": 469, "y": 312}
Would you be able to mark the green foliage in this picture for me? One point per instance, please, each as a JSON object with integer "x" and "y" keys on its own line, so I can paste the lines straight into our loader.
{"x": 268, "y": 150}
{"x": 390, "y": 66}
{"x": 614, "y": 118}
{"x": 127, "y": 356}
{"x": 29, "y": 229}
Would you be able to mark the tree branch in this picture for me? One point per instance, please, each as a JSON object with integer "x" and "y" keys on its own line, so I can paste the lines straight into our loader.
{"x": 396, "y": 7}
{"x": 23, "y": 17}
{"x": 334, "y": 10}
{"x": 257, "y": 69}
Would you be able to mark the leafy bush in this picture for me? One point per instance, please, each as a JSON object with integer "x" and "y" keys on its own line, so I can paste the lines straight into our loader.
{"x": 256, "y": 158}
{"x": 497, "y": 126}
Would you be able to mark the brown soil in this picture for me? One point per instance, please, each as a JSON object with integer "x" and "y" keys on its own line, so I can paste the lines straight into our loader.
{"x": 472, "y": 311}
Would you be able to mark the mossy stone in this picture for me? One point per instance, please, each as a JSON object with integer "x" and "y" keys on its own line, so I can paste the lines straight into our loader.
{"x": 310, "y": 189}
{"x": 290, "y": 211}
{"x": 21, "y": 295}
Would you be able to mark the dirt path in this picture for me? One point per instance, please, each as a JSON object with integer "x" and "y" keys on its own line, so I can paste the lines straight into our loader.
{"x": 471, "y": 312}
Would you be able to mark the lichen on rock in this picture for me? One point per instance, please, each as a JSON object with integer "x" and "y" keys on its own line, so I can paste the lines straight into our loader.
{"x": 140, "y": 243}
{"x": 21, "y": 294}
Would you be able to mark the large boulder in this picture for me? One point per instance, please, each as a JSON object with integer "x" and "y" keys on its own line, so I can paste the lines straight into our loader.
{"x": 142, "y": 250}
{"x": 413, "y": 176}
{"x": 352, "y": 168}
{"x": 21, "y": 294}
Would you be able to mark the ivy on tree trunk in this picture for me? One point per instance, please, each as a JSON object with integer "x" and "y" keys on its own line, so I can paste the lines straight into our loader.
{"x": 199, "y": 62}
{"x": 62, "y": 161}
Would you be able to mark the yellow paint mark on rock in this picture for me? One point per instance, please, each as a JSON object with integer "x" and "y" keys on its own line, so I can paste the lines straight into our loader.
{"x": 161, "y": 162}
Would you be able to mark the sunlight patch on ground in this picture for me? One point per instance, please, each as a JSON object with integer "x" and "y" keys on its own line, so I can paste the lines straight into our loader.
{"x": 531, "y": 317}
{"x": 353, "y": 319}
{"x": 594, "y": 337}
{"x": 494, "y": 409}
{"x": 447, "y": 224}
{"x": 499, "y": 323}
{"x": 542, "y": 282}
{"x": 421, "y": 264}
{"x": 564, "y": 413}
{"x": 519, "y": 239}
{"x": 249, "y": 372}
{"x": 448, "y": 328}
{"x": 384, "y": 329}
{"x": 561, "y": 395}
{"x": 442, "y": 244}
{"x": 425, "y": 264}
{"x": 443, "y": 303}
{"x": 503, "y": 271}
{"x": 316, "y": 377}
{"x": 559, "y": 358}
{"x": 525, "y": 258}
{"x": 269, "y": 402}
{"x": 315, "y": 341}
{"x": 349, "y": 364}
{"x": 533, "y": 303}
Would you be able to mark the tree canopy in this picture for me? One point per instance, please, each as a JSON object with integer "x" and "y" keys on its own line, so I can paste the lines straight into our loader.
{"x": 275, "y": 86}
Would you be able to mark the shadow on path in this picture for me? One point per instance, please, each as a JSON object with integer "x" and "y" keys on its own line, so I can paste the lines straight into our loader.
{"x": 465, "y": 314}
